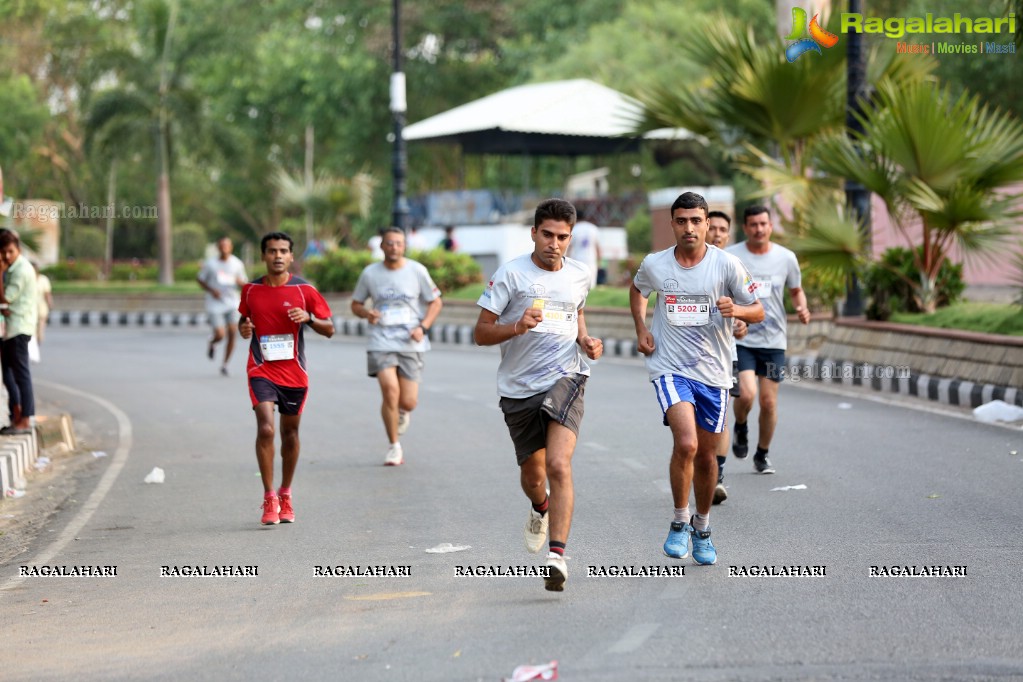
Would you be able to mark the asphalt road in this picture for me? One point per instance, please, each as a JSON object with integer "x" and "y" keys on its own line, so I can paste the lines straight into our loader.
{"x": 885, "y": 486}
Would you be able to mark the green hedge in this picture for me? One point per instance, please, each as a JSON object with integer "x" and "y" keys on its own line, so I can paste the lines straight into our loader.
{"x": 339, "y": 269}
{"x": 884, "y": 283}
{"x": 72, "y": 270}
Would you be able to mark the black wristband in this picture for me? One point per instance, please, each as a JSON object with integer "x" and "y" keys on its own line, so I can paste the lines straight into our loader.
{"x": 426, "y": 330}
{"x": 310, "y": 320}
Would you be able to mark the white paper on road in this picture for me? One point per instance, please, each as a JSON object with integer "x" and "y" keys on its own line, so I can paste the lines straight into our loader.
{"x": 12, "y": 492}
{"x": 789, "y": 487}
{"x": 155, "y": 476}
{"x": 845, "y": 406}
{"x": 524, "y": 673}
{"x": 98, "y": 453}
{"x": 446, "y": 547}
{"x": 998, "y": 411}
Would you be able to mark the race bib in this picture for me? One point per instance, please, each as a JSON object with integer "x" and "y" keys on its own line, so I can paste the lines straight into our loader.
{"x": 277, "y": 347}
{"x": 763, "y": 286}
{"x": 395, "y": 314}
{"x": 559, "y": 317}
{"x": 687, "y": 311}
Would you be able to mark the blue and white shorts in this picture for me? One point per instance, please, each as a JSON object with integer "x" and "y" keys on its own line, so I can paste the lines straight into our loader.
{"x": 710, "y": 401}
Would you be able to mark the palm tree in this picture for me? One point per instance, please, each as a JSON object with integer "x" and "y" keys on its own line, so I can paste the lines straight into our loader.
{"x": 150, "y": 104}
{"x": 942, "y": 162}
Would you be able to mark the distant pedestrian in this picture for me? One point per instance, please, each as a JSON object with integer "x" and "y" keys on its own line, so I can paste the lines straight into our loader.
{"x": 275, "y": 310}
{"x": 586, "y": 245}
{"x": 448, "y": 243}
{"x": 45, "y": 290}
{"x": 21, "y": 310}
{"x": 222, "y": 278}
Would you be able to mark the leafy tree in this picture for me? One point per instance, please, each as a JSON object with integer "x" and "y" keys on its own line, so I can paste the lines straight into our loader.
{"x": 945, "y": 162}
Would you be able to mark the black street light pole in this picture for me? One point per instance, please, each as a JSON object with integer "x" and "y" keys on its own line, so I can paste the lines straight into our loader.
{"x": 400, "y": 159}
{"x": 856, "y": 195}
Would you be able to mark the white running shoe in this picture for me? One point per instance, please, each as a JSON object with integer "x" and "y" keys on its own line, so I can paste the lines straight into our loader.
{"x": 394, "y": 455}
{"x": 535, "y": 532}
{"x": 403, "y": 419}
{"x": 557, "y": 573}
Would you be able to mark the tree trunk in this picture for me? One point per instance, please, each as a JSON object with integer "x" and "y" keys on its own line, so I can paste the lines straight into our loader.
{"x": 163, "y": 229}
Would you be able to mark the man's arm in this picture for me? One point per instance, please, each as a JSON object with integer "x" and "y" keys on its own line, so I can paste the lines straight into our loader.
{"x": 637, "y": 305}
{"x": 799, "y": 301}
{"x": 489, "y": 333}
{"x": 201, "y": 279}
{"x": 432, "y": 311}
{"x": 324, "y": 327}
{"x": 593, "y": 348}
{"x": 360, "y": 310}
{"x": 750, "y": 314}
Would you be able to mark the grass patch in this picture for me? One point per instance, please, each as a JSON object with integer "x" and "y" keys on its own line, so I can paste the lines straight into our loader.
{"x": 126, "y": 288}
{"x": 989, "y": 318}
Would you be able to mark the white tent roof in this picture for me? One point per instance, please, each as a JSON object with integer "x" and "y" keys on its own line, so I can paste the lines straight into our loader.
{"x": 574, "y": 108}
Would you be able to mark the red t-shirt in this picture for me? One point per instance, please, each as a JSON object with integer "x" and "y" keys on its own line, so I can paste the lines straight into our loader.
{"x": 277, "y": 349}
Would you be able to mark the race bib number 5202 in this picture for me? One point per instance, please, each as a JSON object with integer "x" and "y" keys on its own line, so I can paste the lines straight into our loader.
{"x": 687, "y": 311}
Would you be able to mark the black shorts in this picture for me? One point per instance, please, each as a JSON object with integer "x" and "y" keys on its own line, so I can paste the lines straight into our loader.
{"x": 766, "y": 362}
{"x": 289, "y": 400}
{"x": 527, "y": 418}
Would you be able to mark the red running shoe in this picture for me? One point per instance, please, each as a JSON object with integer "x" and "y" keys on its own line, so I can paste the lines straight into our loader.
{"x": 287, "y": 513}
{"x": 271, "y": 510}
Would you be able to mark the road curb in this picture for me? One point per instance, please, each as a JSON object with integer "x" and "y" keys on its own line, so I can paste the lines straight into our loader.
{"x": 881, "y": 378}
{"x": 18, "y": 454}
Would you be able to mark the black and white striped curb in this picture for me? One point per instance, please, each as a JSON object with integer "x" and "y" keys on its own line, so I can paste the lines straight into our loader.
{"x": 17, "y": 455}
{"x": 883, "y": 378}
{"x": 901, "y": 380}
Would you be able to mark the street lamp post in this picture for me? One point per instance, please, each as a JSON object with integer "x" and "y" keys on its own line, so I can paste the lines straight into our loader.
{"x": 399, "y": 159}
{"x": 856, "y": 195}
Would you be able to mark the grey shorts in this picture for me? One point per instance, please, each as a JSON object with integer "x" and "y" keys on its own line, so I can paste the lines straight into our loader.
{"x": 410, "y": 365}
{"x": 527, "y": 418}
{"x": 223, "y": 316}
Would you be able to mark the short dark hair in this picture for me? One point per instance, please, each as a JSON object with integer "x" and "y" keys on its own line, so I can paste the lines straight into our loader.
{"x": 8, "y": 237}
{"x": 755, "y": 209}
{"x": 277, "y": 236}
{"x": 392, "y": 228}
{"x": 554, "y": 209}
{"x": 690, "y": 200}
{"x": 719, "y": 214}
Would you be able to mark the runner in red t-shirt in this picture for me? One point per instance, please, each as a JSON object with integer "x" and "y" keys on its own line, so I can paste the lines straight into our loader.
{"x": 275, "y": 309}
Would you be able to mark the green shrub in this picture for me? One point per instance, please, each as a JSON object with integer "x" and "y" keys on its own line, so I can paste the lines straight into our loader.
{"x": 639, "y": 232}
{"x": 71, "y": 271}
{"x": 187, "y": 272}
{"x": 189, "y": 241}
{"x": 449, "y": 270}
{"x": 85, "y": 242}
{"x": 339, "y": 269}
{"x": 885, "y": 284}
{"x": 134, "y": 271}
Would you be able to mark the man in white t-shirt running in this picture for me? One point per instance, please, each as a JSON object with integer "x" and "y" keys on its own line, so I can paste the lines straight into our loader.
{"x": 586, "y": 245}
{"x": 222, "y": 279}
{"x": 762, "y": 352}
{"x": 405, "y": 304}
{"x": 700, "y": 289}
{"x": 533, "y": 308}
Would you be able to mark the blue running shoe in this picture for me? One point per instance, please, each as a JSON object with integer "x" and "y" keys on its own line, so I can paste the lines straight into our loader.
{"x": 677, "y": 544}
{"x": 703, "y": 549}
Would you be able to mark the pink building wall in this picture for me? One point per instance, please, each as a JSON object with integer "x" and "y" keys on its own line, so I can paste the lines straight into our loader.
{"x": 996, "y": 269}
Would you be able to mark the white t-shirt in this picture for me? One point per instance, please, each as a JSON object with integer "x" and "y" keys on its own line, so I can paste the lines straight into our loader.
{"x": 691, "y": 338}
{"x": 773, "y": 272}
{"x": 400, "y": 296}
{"x": 223, "y": 275}
{"x": 584, "y": 247}
{"x": 533, "y": 362}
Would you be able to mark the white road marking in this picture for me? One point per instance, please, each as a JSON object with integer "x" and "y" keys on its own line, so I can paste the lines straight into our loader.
{"x": 634, "y": 638}
{"x": 117, "y": 462}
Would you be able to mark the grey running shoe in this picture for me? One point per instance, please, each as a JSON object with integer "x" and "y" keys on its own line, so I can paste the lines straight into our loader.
{"x": 535, "y": 532}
